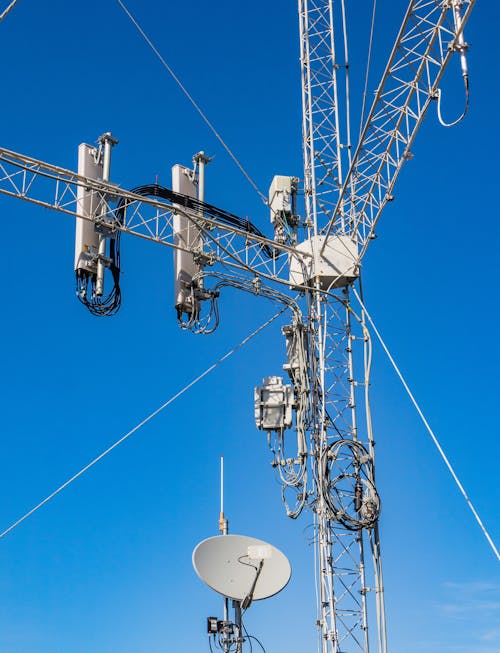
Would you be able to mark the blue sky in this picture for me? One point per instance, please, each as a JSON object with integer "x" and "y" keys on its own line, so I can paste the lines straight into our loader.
{"x": 107, "y": 565}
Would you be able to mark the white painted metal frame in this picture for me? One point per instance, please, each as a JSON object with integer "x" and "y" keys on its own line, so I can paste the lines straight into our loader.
{"x": 321, "y": 129}
{"x": 335, "y": 203}
{"x": 57, "y": 188}
{"x": 426, "y": 42}
{"x": 428, "y": 37}
{"x": 337, "y": 401}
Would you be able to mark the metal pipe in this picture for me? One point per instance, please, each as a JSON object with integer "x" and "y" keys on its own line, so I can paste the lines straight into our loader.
{"x": 200, "y": 160}
{"x": 461, "y": 46}
{"x": 238, "y": 624}
{"x": 106, "y": 141}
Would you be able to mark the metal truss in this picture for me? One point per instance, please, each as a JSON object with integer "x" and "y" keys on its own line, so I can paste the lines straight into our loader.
{"x": 321, "y": 124}
{"x": 342, "y": 492}
{"x": 56, "y": 188}
{"x": 431, "y": 32}
{"x": 344, "y": 497}
{"x": 342, "y": 462}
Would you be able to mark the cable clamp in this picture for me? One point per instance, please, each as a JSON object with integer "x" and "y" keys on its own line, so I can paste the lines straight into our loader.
{"x": 454, "y": 46}
{"x": 106, "y": 226}
{"x": 203, "y": 258}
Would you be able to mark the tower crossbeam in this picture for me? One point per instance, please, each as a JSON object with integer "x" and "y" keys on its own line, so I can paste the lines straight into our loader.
{"x": 431, "y": 33}
{"x": 56, "y": 188}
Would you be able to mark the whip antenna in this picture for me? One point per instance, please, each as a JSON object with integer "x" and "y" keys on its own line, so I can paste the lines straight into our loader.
{"x": 223, "y": 523}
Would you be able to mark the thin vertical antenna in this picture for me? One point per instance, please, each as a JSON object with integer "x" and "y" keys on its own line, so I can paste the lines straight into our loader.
{"x": 222, "y": 485}
{"x": 223, "y": 523}
{"x": 223, "y": 527}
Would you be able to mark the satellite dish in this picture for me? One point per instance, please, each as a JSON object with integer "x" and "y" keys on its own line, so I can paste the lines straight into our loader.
{"x": 241, "y": 568}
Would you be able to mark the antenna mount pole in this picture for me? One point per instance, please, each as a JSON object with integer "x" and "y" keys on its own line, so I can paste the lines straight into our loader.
{"x": 223, "y": 522}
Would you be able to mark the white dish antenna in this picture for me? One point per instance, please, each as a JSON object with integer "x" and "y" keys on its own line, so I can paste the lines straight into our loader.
{"x": 241, "y": 568}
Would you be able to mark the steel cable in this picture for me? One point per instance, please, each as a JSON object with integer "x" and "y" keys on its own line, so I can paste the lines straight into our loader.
{"x": 429, "y": 430}
{"x": 140, "y": 425}
{"x": 8, "y": 9}
{"x": 194, "y": 103}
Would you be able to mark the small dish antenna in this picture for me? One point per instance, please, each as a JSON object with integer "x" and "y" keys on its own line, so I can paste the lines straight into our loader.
{"x": 241, "y": 568}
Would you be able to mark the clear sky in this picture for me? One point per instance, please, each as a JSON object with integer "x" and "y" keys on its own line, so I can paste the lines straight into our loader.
{"x": 106, "y": 566}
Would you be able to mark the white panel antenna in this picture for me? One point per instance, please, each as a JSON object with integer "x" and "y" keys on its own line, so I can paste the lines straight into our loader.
{"x": 187, "y": 237}
{"x": 97, "y": 246}
{"x": 90, "y": 165}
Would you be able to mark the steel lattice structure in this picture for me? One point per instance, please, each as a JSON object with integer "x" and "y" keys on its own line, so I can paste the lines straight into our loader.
{"x": 340, "y": 432}
{"x": 431, "y": 33}
{"x": 56, "y": 188}
{"x": 323, "y": 144}
{"x": 344, "y": 195}
{"x": 343, "y": 609}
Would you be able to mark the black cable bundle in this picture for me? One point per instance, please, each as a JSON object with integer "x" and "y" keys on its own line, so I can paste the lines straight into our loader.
{"x": 110, "y": 304}
{"x": 85, "y": 284}
{"x": 155, "y": 190}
